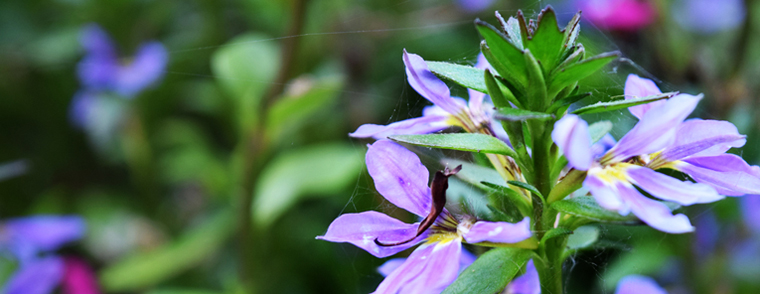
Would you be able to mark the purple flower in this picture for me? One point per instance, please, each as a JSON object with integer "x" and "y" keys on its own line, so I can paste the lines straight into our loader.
{"x": 528, "y": 283}
{"x": 613, "y": 177}
{"x": 474, "y": 5}
{"x": 709, "y": 16}
{"x": 635, "y": 284}
{"x": 473, "y": 116}
{"x": 620, "y": 15}
{"x": 402, "y": 179}
{"x": 750, "y": 206}
{"x": 102, "y": 70}
{"x": 27, "y": 239}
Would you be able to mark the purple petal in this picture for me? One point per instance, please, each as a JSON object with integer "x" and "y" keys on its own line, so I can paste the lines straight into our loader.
{"x": 603, "y": 145}
{"x": 571, "y": 136}
{"x": 729, "y": 174}
{"x": 528, "y": 283}
{"x": 653, "y": 213}
{"x": 32, "y": 235}
{"x": 147, "y": 68}
{"x": 81, "y": 110}
{"x": 696, "y": 137}
{"x": 399, "y": 176}
{"x": 391, "y": 265}
{"x": 361, "y": 229}
{"x": 465, "y": 260}
{"x": 672, "y": 189}
{"x": 98, "y": 72}
{"x": 637, "y": 87}
{"x": 656, "y": 129}
{"x": 635, "y": 284}
{"x": 709, "y": 16}
{"x": 474, "y": 5}
{"x": 476, "y": 100}
{"x": 96, "y": 41}
{"x": 750, "y": 205}
{"x": 428, "y": 270}
{"x": 412, "y": 126}
{"x": 79, "y": 278}
{"x": 38, "y": 277}
{"x": 499, "y": 232}
{"x": 604, "y": 194}
{"x": 428, "y": 85}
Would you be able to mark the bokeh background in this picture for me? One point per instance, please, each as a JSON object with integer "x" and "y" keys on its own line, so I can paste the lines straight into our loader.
{"x": 216, "y": 176}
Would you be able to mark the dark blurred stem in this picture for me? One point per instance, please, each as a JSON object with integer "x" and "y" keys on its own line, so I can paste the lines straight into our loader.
{"x": 740, "y": 49}
{"x": 255, "y": 149}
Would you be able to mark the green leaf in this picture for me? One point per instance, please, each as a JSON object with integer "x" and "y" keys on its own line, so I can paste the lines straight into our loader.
{"x": 491, "y": 272}
{"x": 512, "y": 29}
{"x": 465, "y": 76}
{"x": 506, "y": 58}
{"x": 460, "y": 141}
{"x": 565, "y": 76}
{"x": 143, "y": 270}
{"x": 586, "y": 207}
{"x": 645, "y": 259}
{"x": 536, "y": 87}
{"x": 554, "y": 233}
{"x": 513, "y": 196}
{"x": 181, "y": 291}
{"x": 526, "y": 186}
{"x": 572, "y": 30}
{"x": 598, "y": 129}
{"x": 566, "y": 101}
{"x": 583, "y": 237}
{"x": 620, "y": 104}
{"x": 548, "y": 41}
{"x": 245, "y": 68}
{"x": 316, "y": 170}
{"x": 516, "y": 114}
{"x": 500, "y": 94}
{"x": 297, "y": 106}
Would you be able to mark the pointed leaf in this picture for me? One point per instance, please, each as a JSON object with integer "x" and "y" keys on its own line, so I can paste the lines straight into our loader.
{"x": 548, "y": 41}
{"x": 565, "y": 76}
{"x": 621, "y": 104}
{"x": 526, "y": 186}
{"x": 516, "y": 114}
{"x": 500, "y": 94}
{"x": 513, "y": 196}
{"x": 554, "y": 233}
{"x": 474, "y": 174}
{"x": 536, "y": 87}
{"x": 572, "y": 30}
{"x": 491, "y": 272}
{"x": 504, "y": 53}
{"x": 463, "y": 142}
{"x": 465, "y": 76}
{"x": 566, "y": 101}
{"x": 586, "y": 207}
{"x": 512, "y": 29}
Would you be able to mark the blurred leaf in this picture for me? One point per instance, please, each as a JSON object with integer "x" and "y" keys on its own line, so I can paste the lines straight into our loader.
{"x": 583, "y": 237}
{"x": 598, "y": 129}
{"x": 491, "y": 272}
{"x": 182, "y": 291}
{"x": 565, "y": 76}
{"x": 143, "y": 270}
{"x": 56, "y": 47}
{"x": 620, "y": 104}
{"x": 245, "y": 67}
{"x": 516, "y": 114}
{"x": 644, "y": 259}
{"x": 586, "y": 207}
{"x": 465, "y": 76}
{"x": 554, "y": 233}
{"x": 303, "y": 100}
{"x": 460, "y": 141}
{"x": 307, "y": 171}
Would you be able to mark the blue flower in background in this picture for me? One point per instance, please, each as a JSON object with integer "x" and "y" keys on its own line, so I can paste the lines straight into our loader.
{"x": 102, "y": 72}
{"x": 635, "y": 284}
{"x": 28, "y": 240}
{"x": 474, "y": 5}
{"x": 709, "y": 16}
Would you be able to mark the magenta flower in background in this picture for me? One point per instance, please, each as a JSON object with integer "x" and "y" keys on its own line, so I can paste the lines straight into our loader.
{"x": 709, "y": 16}
{"x": 474, "y": 115}
{"x": 635, "y": 284}
{"x": 29, "y": 240}
{"x": 618, "y": 15}
{"x": 78, "y": 278}
{"x": 401, "y": 178}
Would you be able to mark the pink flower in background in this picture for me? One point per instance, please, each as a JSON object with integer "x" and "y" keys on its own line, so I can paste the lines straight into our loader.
{"x": 78, "y": 278}
{"x": 620, "y": 15}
